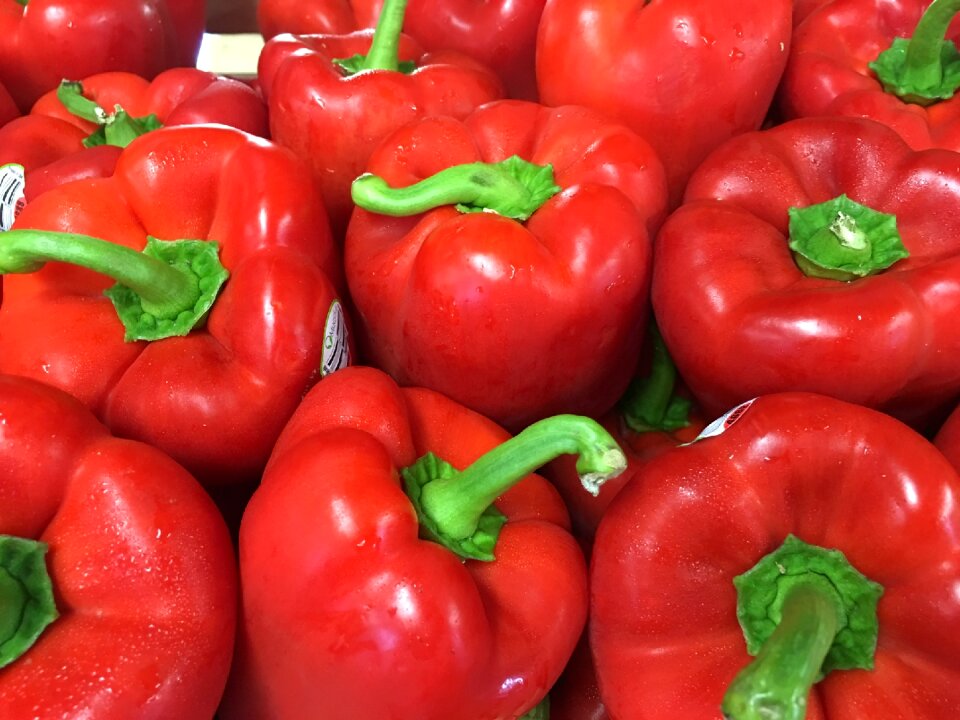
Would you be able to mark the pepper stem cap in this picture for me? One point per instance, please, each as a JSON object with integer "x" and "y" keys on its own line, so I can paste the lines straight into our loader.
{"x": 843, "y": 240}
{"x": 27, "y": 604}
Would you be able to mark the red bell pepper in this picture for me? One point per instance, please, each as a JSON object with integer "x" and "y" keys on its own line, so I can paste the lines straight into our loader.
{"x": 214, "y": 396}
{"x": 851, "y": 58}
{"x": 686, "y": 74}
{"x": 360, "y": 619}
{"x": 744, "y": 313}
{"x": 542, "y": 316}
{"x": 652, "y": 417}
{"x": 107, "y": 111}
{"x": 502, "y": 34}
{"x": 336, "y": 114}
{"x": 948, "y": 439}
{"x": 44, "y": 41}
{"x": 803, "y": 8}
{"x": 665, "y": 603}
{"x": 8, "y": 108}
{"x": 117, "y": 579}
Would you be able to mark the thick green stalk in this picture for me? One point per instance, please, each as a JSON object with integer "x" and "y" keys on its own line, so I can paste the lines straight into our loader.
{"x": 924, "y": 68}
{"x": 165, "y": 290}
{"x": 513, "y": 188}
{"x": 456, "y": 507}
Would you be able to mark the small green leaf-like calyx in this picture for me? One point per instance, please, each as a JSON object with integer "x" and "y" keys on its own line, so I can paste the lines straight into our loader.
{"x": 196, "y": 259}
{"x": 889, "y": 69}
{"x": 120, "y": 129}
{"x": 843, "y": 240}
{"x": 356, "y": 63}
{"x": 536, "y": 180}
{"x": 481, "y": 544}
{"x": 27, "y": 605}
{"x": 762, "y": 589}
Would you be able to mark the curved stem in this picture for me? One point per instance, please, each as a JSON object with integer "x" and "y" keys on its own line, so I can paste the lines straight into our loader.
{"x": 118, "y": 128}
{"x": 923, "y": 66}
{"x": 164, "y": 291}
{"x": 775, "y": 686}
{"x": 163, "y": 287}
{"x": 70, "y": 94}
{"x": 455, "y": 504}
{"x": 513, "y": 188}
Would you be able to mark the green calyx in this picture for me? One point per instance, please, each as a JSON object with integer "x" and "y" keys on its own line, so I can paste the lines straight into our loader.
{"x": 384, "y": 48}
{"x": 164, "y": 291}
{"x": 805, "y": 611}
{"x": 117, "y": 128}
{"x": 455, "y": 508}
{"x": 357, "y": 63}
{"x": 479, "y": 545}
{"x": 513, "y": 188}
{"x": 925, "y": 68}
{"x": 27, "y": 605}
{"x": 843, "y": 240}
{"x": 649, "y": 405}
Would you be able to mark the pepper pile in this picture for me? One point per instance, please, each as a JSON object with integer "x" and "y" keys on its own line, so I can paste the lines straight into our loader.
{"x": 380, "y": 387}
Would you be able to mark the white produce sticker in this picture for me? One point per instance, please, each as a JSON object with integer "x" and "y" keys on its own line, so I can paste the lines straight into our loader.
{"x": 724, "y": 422}
{"x": 12, "y": 184}
{"x": 336, "y": 349}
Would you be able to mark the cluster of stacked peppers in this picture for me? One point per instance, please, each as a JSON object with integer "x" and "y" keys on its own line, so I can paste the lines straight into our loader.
{"x": 280, "y": 361}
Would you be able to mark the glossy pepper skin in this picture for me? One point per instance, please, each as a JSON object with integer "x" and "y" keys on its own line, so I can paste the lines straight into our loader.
{"x": 741, "y": 319}
{"x": 216, "y": 398}
{"x": 140, "y": 561}
{"x": 543, "y": 316}
{"x": 45, "y": 41}
{"x": 828, "y": 72}
{"x": 686, "y": 74}
{"x": 336, "y": 121}
{"x": 664, "y": 628}
{"x": 48, "y": 142}
{"x": 347, "y": 614}
{"x": 501, "y": 35}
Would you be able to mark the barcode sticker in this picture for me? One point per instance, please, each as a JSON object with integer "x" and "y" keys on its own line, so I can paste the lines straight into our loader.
{"x": 336, "y": 349}
{"x": 12, "y": 184}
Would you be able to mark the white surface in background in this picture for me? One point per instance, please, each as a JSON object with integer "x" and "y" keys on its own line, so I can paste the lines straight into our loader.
{"x": 234, "y": 54}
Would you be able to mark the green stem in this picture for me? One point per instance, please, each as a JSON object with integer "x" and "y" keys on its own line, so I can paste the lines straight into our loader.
{"x": 456, "y": 508}
{"x": 649, "y": 404}
{"x": 27, "y": 605}
{"x": 173, "y": 283}
{"x": 455, "y": 504}
{"x": 923, "y": 66}
{"x": 775, "y": 686}
{"x": 21, "y": 2}
{"x": 118, "y": 128}
{"x": 805, "y": 611}
{"x": 384, "y": 50}
{"x": 513, "y": 188}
